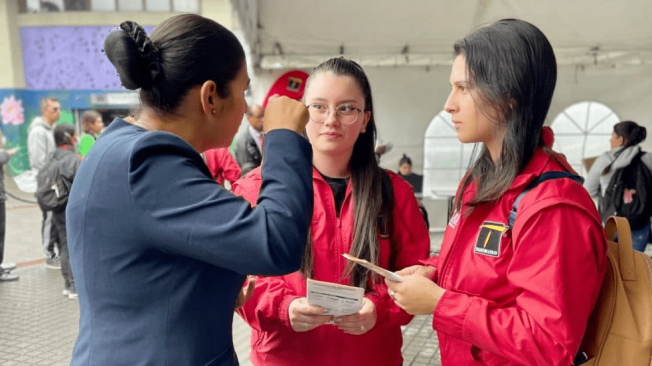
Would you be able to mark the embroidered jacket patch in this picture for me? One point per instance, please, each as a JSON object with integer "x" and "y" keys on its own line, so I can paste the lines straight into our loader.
{"x": 488, "y": 242}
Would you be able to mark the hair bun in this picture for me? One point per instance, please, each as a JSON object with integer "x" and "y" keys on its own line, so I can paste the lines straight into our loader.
{"x": 134, "y": 56}
{"x": 642, "y": 132}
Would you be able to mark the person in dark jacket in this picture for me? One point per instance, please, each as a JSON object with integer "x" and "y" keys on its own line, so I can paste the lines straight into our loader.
{"x": 68, "y": 161}
{"x": 249, "y": 143}
{"x": 5, "y": 268}
{"x": 405, "y": 172}
{"x": 159, "y": 250}
{"x": 624, "y": 142}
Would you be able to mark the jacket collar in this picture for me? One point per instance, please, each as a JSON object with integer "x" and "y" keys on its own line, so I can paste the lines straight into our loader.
{"x": 540, "y": 162}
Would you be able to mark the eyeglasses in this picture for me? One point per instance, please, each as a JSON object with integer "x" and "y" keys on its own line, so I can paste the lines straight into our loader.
{"x": 345, "y": 113}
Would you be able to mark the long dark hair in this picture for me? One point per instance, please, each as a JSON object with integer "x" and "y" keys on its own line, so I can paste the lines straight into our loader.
{"x": 511, "y": 69}
{"x": 632, "y": 133}
{"x": 183, "y": 52}
{"x": 365, "y": 178}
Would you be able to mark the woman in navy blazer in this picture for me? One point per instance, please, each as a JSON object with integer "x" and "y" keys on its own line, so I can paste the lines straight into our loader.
{"x": 159, "y": 250}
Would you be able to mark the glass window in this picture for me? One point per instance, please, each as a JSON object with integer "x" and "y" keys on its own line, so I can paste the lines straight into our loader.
{"x": 103, "y": 5}
{"x": 130, "y": 5}
{"x": 583, "y": 131}
{"x": 51, "y": 6}
{"x": 445, "y": 158}
{"x": 186, "y": 6}
{"x": 32, "y": 6}
{"x": 77, "y": 5}
{"x": 158, "y": 5}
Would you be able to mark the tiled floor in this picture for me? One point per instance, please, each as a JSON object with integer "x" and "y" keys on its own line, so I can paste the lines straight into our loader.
{"x": 39, "y": 325}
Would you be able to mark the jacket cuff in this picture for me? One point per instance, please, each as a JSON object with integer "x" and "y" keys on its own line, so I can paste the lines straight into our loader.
{"x": 284, "y": 310}
{"x": 432, "y": 262}
{"x": 451, "y": 312}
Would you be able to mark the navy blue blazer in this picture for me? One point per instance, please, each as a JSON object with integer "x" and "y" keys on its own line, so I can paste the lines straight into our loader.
{"x": 160, "y": 251}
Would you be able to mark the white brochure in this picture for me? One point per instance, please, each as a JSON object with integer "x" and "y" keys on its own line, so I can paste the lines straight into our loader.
{"x": 381, "y": 271}
{"x": 339, "y": 300}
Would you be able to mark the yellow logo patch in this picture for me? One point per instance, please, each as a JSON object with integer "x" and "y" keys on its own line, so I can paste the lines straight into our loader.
{"x": 294, "y": 84}
{"x": 489, "y": 238}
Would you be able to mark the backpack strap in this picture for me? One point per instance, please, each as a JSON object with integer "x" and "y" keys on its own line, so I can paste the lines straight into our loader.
{"x": 542, "y": 178}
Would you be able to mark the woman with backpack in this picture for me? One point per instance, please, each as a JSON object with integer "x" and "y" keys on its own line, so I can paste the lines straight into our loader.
{"x": 67, "y": 162}
{"x": 518, "y": 275}
{"x": 624, "y": 153}
{"x": 359, "y": 209}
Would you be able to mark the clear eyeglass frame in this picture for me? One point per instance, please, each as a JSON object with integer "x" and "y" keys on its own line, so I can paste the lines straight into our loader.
{"x": 342, "y": 116}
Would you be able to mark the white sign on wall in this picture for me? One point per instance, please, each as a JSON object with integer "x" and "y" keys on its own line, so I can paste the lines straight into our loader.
{"x": 115, "y": 99}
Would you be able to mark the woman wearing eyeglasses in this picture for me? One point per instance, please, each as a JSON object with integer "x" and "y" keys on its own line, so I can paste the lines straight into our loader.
{"x": 359, "y": 209}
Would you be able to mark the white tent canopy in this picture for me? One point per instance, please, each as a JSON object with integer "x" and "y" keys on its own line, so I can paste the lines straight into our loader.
{"x": 302, "y": 33}
{"x": 603, "y": 50}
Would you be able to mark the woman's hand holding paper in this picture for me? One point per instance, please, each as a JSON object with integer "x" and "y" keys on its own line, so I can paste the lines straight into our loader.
{"x": 417, "y": 294}
{"x": 305, "y": 317}
{"x": 359, "y": 323}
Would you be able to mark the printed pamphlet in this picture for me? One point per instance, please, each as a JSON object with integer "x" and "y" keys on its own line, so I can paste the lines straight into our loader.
{"x": 339, "y": 300}
{"x": 381, "y": 271}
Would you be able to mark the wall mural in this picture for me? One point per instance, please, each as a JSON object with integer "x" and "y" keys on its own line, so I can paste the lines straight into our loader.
{"x": 62, "y": 62}
{"x": 67, "y": 58}
{"x": 19, "y": 107}
{"x": 12, "y": 111}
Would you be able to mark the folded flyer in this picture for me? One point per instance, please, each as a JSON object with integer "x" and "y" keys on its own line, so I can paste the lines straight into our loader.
{"x": 339, "y": 300}
{"x": 381, "y": 271}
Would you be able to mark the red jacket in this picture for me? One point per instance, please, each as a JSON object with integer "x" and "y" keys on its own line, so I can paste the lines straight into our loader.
{"x": 273, "y": 342}
{"x": 528, "y": 301}
{"x": 222, "y": 165}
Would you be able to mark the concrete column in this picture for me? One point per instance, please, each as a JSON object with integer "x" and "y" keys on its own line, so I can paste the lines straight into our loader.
{"x": 11, "y": 59}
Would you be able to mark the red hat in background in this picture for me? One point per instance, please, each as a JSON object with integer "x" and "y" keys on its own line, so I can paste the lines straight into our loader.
{"x": 292, "y": 84}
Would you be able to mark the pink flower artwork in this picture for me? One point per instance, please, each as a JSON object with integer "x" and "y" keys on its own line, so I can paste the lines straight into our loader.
{"x": 12, "y": 111}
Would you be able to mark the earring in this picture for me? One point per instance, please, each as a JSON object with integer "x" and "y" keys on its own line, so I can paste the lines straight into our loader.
{"x": 213, "y": 111}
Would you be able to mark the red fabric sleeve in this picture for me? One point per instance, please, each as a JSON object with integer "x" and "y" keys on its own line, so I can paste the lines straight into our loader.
{"x": 410, "y": 245}
{"x": 248, "y": 187}
{"x": 432, "y": 262}
{"x": 211, "y": 161}
{"x": 230, "y": 168}
{"x": 268, "y": 307}
{"x": 558, "y": 268}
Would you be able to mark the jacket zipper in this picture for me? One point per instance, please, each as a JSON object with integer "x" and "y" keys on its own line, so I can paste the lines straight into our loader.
{"x": 454, "y": 246}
